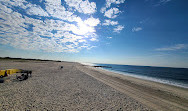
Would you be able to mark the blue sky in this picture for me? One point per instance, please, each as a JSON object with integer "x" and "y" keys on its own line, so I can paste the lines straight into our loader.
{"x": 132, "y": 32}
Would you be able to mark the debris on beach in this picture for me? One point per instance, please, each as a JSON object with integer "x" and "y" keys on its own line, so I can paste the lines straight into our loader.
{"x": 61, "y": 67}
{"x": 24, "y": 74}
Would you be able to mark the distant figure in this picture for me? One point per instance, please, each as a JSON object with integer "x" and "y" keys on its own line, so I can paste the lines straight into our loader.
{"x": 5, "y": 74}
{"x": 29, "y": 73}
{"x": 61, "y": 67}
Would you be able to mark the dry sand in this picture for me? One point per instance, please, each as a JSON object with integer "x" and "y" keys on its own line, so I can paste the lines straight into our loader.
{"x": 82, "y": 88}
{"x": 157, "y": 96}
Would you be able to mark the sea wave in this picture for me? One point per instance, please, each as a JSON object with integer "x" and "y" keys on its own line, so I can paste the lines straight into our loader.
{"x": 159, "y": 80}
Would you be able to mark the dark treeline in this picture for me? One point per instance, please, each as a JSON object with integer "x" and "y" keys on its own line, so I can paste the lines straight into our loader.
{"x": 10, "y": 58}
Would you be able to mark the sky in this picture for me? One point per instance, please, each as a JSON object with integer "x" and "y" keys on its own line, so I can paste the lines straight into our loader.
{"x": 130, "y": 32}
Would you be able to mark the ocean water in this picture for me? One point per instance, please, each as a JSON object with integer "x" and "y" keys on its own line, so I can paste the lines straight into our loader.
{"x": 172, "y": 76}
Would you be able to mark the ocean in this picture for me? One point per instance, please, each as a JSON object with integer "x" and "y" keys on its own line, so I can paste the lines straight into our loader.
{"x": 172, "y": 76}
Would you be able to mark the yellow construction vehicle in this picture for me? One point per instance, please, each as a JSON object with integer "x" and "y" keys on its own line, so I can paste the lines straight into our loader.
{"x": 24, "y": 74}
{"x": 4, "y": 73}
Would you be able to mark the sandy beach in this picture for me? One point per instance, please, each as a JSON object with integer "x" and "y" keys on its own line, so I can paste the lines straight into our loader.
{"x": 77, "y": 87}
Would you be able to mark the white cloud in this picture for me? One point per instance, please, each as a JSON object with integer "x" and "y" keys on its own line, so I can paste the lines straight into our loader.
{"x": 5, "y": 8}
{"x": 173, "y": 48}
{"x": 103, "y": 9}
{"x": 136, "y": 29}
{"x": 18, "y": 3}
{"x": 118, "y": 28}
{"x": 85, "y": 7}
{"x": 110, "y": 22}
{"x": 92, "y": 21}
{"x": 61, "y": 30}
{"x": 36, "y": 10}
{"x": 109, "y": 2}
{"x": 55, "y": 9}
{"x": 68, "y": 36}
{"x": 109, "y": 37}
{"x": 54, "y": 2}
{"x": 112, "y": 13}
{"x": 81, "y": 29}
{"x": 93, "y": 39}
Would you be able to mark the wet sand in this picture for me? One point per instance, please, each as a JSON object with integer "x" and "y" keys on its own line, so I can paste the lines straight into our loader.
{"x": 83, "y": 88}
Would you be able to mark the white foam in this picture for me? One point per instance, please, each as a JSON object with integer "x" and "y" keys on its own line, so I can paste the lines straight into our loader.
{"x": 87, "y": 63}
{"x": 174, "y": 83}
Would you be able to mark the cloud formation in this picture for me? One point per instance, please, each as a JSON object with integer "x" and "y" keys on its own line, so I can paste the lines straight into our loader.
{"x": 109, "y": 2}
{"x": 112, "y": 13}
{"x": 118, "y": 28}
{"x": 173, "y": 48}
{"x": 55, "y": 27}
{"x": 36, "y": 10}
{"x": 85, "y": 7}
{"x": 110, "y": 22}
{"x": 136, "y": 29}
{"x": 92, "y": 21}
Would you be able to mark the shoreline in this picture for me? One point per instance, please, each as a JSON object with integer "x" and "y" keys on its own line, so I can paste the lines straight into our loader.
{"x": 133, "y": 79}
{"x": 152, "y": 79}
{"x": 85, "y": 88}
{"x": 153, "y": 94}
